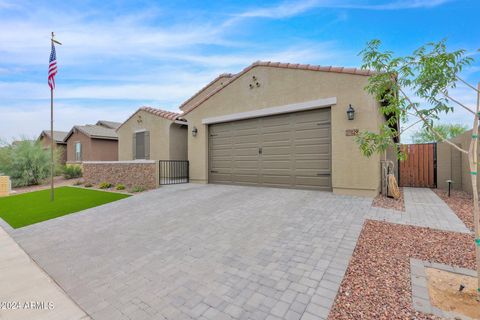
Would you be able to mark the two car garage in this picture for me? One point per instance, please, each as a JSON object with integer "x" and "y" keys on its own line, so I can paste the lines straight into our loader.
{"x": 291, "y": 150}
{"x": 285, "y": 125}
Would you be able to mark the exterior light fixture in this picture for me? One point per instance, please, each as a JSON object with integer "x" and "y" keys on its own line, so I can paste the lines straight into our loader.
{"x": 350, "y": 112}
{"x": 194, "y": 131}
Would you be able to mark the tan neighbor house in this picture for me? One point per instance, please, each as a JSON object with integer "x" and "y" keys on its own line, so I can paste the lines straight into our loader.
{"x": 153, "y": 134}
{"x": 61, "y": 146}
{"x": 285, "y": 125}
{"x": 97, "y": 142}
{"x": 272, "y": 124}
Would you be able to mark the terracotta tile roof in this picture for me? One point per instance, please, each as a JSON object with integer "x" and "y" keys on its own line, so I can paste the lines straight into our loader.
{"x": 162, "y": 113}
{"x": 353, "y": 71}
{"x": 169, "y": 115}
{"x": 220, "y": 76}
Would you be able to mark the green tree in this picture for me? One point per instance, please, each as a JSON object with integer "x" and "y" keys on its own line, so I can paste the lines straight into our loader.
{"x": 429, "y": 74}
{"x": 26, "y": 162}
{"x": 449, "y": 131}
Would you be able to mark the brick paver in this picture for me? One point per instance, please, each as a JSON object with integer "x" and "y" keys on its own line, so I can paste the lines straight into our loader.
{"x": 423, "y": 208}
{"x": 203, "y": 252}
{"x": 212, "y": 251}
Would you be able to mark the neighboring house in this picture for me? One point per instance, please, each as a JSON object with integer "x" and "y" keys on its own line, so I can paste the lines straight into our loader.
{"x": 92, "y": 142}
{"x": 153, "y": 134}
{"x": 286, "y": 125}
{"x": 46, "y": 140}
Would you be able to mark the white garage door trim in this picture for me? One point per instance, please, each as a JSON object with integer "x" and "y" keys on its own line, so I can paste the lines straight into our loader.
{"x": 295, "y": 107}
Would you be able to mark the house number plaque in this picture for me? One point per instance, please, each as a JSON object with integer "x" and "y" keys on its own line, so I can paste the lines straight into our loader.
{"x": 351, "y": 132}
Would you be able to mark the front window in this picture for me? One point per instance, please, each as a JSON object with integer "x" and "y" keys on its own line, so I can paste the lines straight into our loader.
{"x": 140, "y": 145}
{"x": 78, "y": 151}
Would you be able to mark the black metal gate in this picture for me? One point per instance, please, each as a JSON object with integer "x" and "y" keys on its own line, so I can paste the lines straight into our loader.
{"x": 173, "y": 171}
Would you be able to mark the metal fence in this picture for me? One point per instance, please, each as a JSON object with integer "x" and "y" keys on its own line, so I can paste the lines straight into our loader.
{"x": 173, "y": 171}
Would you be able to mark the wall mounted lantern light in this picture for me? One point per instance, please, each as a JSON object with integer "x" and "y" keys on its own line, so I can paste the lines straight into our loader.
{"x": 350, "y": 112}
{"x": 194, "y": 131}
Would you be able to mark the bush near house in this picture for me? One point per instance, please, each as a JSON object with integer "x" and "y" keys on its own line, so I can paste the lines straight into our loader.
{"x": 120, "y": 186}
{"x": 137, "y": 189}
{"x": 26, "y": 162}
{"x": 105, "y": 185}
{"x": 72, "y": 172}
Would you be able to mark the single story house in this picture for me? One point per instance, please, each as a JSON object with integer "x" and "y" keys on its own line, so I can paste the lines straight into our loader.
{"x": 272, "y": 124}
{"x": 286, "y": 125}
{"x": 152, "y": 134}
{"x": 97, "y": 142}
{"x": 58, "y": 137}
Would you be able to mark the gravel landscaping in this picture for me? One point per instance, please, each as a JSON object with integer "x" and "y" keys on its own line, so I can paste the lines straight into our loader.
{"x": 381, "y": 201}
{"x": 461, "y": 203}
{"x": 377, "y": 283}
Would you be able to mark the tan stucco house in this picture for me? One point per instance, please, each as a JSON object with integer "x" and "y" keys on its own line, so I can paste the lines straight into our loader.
{"x": 272, "y": 124}
{"x": 97, "y": 142}
{"x": 285, "y": 125}
{"x": 153, "y": 134}
{"x": 59, "y": 144}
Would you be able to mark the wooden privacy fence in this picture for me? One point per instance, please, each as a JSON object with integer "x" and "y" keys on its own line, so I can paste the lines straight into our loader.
{"x": 419, "y": 169}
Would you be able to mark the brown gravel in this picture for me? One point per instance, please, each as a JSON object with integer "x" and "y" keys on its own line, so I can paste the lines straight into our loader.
{"x": 389, "y": 203}
{"x": 58, "y": 181}
{"x": 461, "y": 203}
{"x": 377, "y": 282}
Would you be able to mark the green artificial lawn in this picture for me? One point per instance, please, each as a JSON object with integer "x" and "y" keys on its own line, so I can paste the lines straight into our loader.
{"x": 29, "y": 208}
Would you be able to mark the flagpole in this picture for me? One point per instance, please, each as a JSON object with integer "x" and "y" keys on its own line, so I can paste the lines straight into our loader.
{"x": 52, "y": 165}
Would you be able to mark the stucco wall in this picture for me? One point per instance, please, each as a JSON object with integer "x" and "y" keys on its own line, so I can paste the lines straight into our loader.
{"x": 104, "y": 150}
{"x": 352, "y": 173}
{"x": 86, "y": 147}
{"x": 453, "y": 164}
{"x": 129, "y": 173}
{"x": 178, "y": 142}
{"x": 159, "y": 129}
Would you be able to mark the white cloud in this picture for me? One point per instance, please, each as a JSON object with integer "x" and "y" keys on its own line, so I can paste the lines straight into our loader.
{"x": 294, "y": 8}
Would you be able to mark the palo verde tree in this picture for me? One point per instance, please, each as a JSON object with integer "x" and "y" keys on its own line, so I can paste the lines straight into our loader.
{"x": 420, "y": 85}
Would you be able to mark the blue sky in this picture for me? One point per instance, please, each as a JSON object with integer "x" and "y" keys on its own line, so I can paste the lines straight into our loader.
{"x": 119, "y": 55}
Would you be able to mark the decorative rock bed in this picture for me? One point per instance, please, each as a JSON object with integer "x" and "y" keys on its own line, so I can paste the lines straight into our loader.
{"x": 377, "y": 284}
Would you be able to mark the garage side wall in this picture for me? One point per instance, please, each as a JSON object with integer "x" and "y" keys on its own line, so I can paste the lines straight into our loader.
{"x": 352, "y": 173}
{"x": 159, "y": 136}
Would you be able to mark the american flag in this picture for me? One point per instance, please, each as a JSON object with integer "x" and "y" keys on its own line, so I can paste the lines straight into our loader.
{"x": 52, "y": 68}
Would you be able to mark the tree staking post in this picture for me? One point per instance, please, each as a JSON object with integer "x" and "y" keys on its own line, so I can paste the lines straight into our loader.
{"x": 52, "y": 71}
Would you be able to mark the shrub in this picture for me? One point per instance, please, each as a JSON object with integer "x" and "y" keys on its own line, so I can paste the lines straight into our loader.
{"x": 120, "y": 187}
{"x": 105, "y": 185}
{"x": 137, "y": 189}
{"x": 88, "y": 185}
{"x": 27, "y": 162}
{"x": 72, "y": 172}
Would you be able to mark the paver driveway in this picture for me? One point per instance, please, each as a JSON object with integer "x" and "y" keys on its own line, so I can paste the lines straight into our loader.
{"x": 203, "y": 252}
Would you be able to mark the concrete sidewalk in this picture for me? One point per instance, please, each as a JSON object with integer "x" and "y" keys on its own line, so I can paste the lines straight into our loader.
{"x": 26, "y": 291}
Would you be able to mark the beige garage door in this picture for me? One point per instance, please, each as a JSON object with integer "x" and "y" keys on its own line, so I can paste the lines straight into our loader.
{"x": 291, "y": 150}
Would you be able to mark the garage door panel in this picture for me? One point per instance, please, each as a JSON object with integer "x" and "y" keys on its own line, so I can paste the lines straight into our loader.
{"x": 318, "y": 165}
{"x": 310, "y": 149}
{"x": 308, "y": 133}
{"x": 295, "y": 151}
